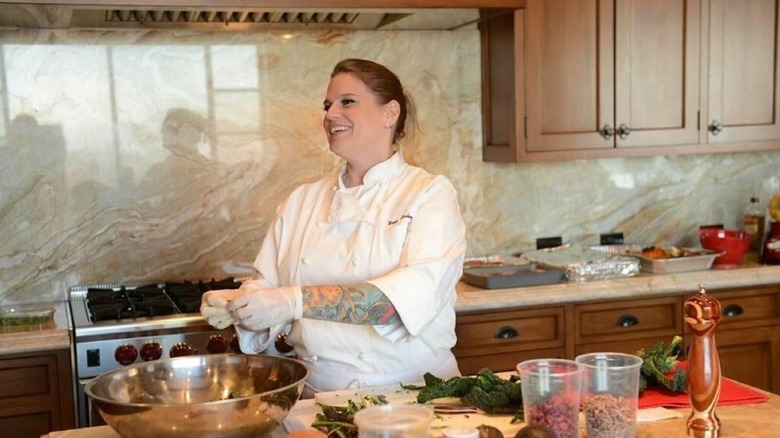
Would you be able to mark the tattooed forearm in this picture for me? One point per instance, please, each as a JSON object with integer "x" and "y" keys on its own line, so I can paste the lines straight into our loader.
{"x": 353, "y": 304}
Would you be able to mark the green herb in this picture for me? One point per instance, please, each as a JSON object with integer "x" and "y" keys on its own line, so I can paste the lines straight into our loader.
{"x": 658, "y": 363}
{"x": 23, "y": 320}
{"x": 339, "y": 421}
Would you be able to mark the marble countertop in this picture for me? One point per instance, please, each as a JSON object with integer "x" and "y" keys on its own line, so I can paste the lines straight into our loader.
{"x": 471, "y": 298}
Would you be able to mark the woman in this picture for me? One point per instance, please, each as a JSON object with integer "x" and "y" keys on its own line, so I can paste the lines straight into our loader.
{"x": 364, "y": 262}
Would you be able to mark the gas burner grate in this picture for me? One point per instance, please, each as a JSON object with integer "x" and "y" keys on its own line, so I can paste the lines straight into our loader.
{"x": 140, "y": 302}
{"x": 187, "y": 295}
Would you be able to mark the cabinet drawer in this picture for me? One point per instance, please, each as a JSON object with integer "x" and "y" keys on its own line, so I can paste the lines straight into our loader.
{"x": 27, "y": 377}
{"x": 620, "y": 320}
{"x": 509, "y": 331}
{"x": 749, "y": 307}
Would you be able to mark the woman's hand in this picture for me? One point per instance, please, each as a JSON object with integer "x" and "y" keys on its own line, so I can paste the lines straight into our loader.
{"x": 255, "y": 308}
{"x": 213, "y": 306}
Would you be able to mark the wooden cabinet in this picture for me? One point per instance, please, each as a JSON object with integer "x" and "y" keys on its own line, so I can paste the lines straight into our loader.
{"x": 503, "y": 89}
{"x": 744, "y": 79}
{"x": 603, "y": 74}
{"x": 36, "y": 393}
{"x": 622, "y": 74}
{"x": 623, "y": 78}
{"x": 748, "y": 338}
{"x": 499, "y": 340}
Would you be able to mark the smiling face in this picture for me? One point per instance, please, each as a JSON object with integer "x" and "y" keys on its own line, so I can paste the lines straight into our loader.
{"x": 359, "y": 129}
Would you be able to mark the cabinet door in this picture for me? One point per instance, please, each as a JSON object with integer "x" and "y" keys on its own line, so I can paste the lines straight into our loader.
{"x": 743, "y": 71}
{"x": 751, "y": 356}
{"x": 656, "y": 72}
{"x": 503, "y": 96}
{"x": 604, "y": 74}
{"x": 569, "y": 74}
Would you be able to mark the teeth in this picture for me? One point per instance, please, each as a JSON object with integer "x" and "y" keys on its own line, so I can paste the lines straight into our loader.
{"x": 338, "y": 129}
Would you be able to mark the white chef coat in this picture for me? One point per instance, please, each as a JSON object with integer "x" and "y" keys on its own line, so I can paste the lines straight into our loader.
{"x": 403, "y": 232}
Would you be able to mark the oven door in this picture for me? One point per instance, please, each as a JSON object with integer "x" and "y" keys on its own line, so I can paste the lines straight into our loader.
{"x": 88, "y": 414}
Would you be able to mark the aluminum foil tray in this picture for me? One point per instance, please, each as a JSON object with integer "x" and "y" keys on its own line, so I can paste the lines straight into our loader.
{"x": 584, "y": 264}
{"x": 701, "y": 261}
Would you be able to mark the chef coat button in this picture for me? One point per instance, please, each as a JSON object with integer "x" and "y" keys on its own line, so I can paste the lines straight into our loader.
{"x": 354, "y": 262}
{"x": 315, "y": 358}
{"x": 304, "y": 261}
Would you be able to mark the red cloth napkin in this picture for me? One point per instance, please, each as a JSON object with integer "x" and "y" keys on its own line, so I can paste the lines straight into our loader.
{"x": 731, "y": 393}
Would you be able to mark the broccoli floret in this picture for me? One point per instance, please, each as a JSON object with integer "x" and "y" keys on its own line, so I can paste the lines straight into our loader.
{"x": 658, "y": 362}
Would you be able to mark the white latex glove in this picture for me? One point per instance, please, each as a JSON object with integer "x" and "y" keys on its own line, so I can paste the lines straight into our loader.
{"x": 213, "y": 306}
{"x": 258, "y": 309}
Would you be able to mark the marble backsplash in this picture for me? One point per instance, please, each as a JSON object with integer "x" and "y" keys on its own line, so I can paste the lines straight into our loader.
{"x": 150, "y": 155}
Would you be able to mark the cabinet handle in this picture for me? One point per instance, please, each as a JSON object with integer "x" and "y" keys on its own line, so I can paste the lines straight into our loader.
{"x": 607, "y": 131}
{"x": 733, "y": 310}
{"x": 626, "y": 321}
{"x": 716, "y": 127}
{"x": 624, "y": 131}
{"x": 507, "y": 332}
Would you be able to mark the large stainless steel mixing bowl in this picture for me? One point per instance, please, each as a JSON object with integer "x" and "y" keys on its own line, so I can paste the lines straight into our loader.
{"x": 221, "y": 395}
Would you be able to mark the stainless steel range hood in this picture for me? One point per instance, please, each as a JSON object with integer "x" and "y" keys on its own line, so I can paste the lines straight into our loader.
{"x": 186, "y": 15}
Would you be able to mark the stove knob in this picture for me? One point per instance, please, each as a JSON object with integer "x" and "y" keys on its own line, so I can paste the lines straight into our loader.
{"x": 151, "y": 351}
{"x": 217, "y": 344}
{"x": 234, "y": 345}
{"x": 182, "y": 349}
{"x": 125, "y": 354}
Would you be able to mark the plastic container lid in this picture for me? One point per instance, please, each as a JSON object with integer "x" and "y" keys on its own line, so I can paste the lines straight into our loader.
{"x": 461, "y": 432}
{"x": 393, "y": 421}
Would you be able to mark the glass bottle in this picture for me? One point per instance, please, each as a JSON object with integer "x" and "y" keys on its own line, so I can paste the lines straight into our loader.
{"x": 753, "y": 222}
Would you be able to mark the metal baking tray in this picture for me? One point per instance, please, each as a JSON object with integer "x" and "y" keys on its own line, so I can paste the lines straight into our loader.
{"x": 503, "y": 277}
{"x": 700, "y": 262}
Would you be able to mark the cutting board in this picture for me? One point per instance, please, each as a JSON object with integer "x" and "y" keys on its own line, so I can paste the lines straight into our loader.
{"x": 305, "y": 411}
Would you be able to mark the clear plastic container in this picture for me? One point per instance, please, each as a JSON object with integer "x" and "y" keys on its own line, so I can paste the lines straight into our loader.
{"x": 26, "y": 318}
{"x": 394, "y": 421}
{"x": 551, "y": 394}
{"x": 610, "y": 383}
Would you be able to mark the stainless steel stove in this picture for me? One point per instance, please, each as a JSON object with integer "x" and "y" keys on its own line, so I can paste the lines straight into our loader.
{"x": 119, "y": 324}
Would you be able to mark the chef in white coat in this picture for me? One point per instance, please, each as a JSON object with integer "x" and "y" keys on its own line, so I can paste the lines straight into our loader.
{"x": 360, "y": 266}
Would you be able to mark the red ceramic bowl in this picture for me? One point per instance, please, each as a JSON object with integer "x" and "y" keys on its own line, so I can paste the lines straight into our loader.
{"x": 732, "y": 243}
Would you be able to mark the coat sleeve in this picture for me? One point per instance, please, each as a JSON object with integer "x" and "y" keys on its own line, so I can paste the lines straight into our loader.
{"x": 422, "y": 287}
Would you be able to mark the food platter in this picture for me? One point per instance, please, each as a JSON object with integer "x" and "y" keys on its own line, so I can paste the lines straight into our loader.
{"x": 666, "y": 260}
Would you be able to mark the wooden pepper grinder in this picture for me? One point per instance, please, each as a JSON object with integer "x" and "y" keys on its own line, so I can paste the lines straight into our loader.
{"x": 702, "y": 314}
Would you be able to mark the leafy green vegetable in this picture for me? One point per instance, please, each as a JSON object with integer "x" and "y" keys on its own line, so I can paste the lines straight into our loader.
{"x": 485, "y": 390}
{"x": 339, "y": 421}
{"x": 437, "y": 388}
{"x": 660, "y": 361}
